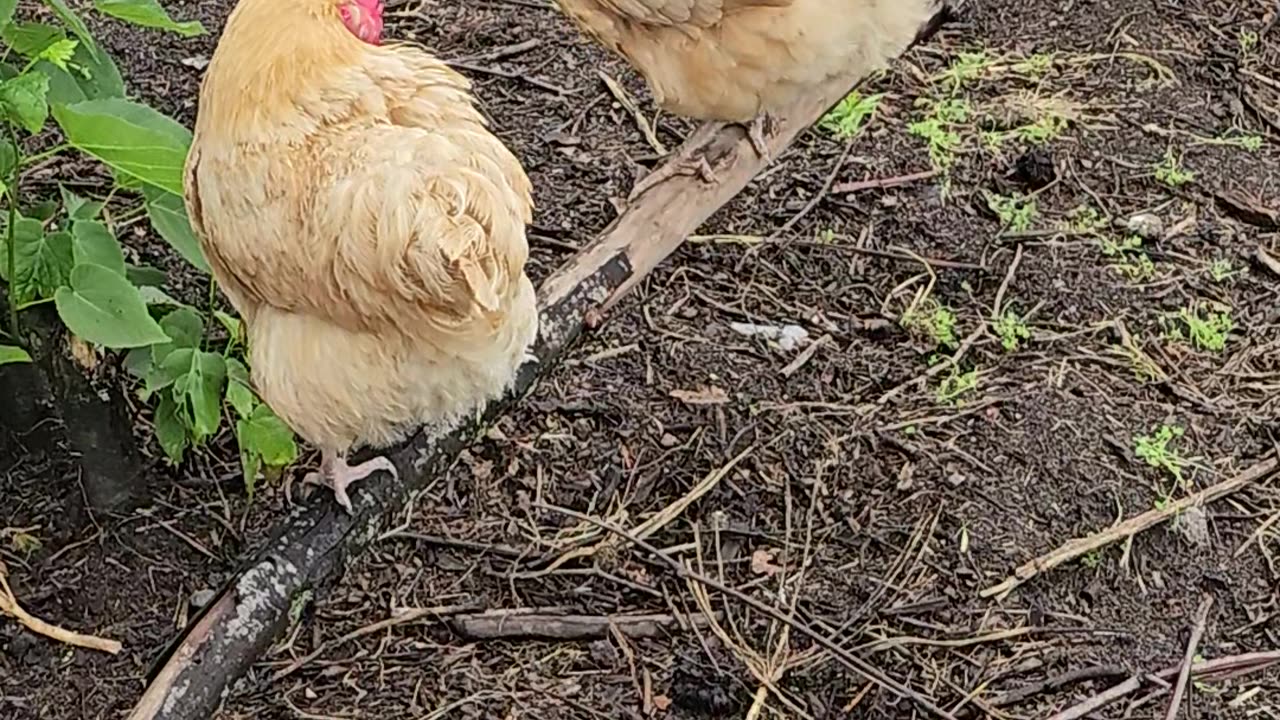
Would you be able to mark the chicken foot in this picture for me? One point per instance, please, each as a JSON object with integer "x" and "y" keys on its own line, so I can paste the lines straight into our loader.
{"x": 337, "y": 475}
{"x": 758, "y": 131}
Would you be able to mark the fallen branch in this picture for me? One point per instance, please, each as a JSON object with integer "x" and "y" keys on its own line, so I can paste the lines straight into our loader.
{"x": 1214, "y": 670}
{"x": 311, "y": 546}
{"x": 9, "y": 606}
{"x": 1083, "y": 546}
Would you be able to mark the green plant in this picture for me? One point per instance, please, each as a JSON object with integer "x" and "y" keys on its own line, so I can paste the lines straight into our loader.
{"x": 937, "y": 128}
{"x": 852, "y": 113}
{"x": 1035, "y": 65}
{"x": 1207, "y": 327}
{"x": 1131, "y": 260}
{"x": 1248, "y": 41}
{"x": 966, "y": 67}
{"x": 1155, "y": 450}
{"x": 1085, "y": 219}
{"x": 1221, "y": 270}
{"x": 65, "y": 251}
{"x": 1015, "y": 213}
{"x": 937, "y": 322}
{"x": 1171, "y": 172}
{"x": 1092, "y": 559}
{"x": 1043, "y": 130}
{"x": 1012, "y": 331}
{"x": 955, "y": 385}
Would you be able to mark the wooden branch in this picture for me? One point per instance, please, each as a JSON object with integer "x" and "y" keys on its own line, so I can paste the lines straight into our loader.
{"x": 9, "y": 606}
{"x": 310, "y": 547}
{"x": 509, "y": 625}
{"x": 1079, "y": 547}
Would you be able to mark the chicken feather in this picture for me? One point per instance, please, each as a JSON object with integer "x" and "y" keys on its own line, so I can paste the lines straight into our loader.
{"x": 369, "y": 228}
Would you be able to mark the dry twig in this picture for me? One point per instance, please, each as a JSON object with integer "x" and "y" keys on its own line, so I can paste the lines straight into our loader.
{"x": 1184, "y": 675}
{"x": 9, "y": 606}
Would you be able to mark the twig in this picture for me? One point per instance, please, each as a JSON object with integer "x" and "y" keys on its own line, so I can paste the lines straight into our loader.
{"x": 508, "y": 625}
{"x": 1184, "y": 675}
{"x": 1004, "y": 286}
{"x": 9, "y": 606}
{"x": 1057, "y": 682}
{"x": 878, "y": 184}
{"x": 1082, "y": 546}
{"x": 846, "y": 658}
{"x": 401, "y": 617}
{"x": 646, "y": 128}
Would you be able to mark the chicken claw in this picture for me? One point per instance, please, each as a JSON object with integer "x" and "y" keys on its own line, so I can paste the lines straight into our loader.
{"x": 677, "y": 166}
{"x": 337, "y": 475}
{"x": 758, "y": 132}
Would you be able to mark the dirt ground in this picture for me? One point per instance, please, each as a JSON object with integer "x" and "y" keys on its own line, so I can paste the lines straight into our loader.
{"x": 872, "y": 479}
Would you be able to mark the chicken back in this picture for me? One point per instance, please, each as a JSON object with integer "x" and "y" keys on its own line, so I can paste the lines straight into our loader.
{"x": 363, "y": 221}
{"x": 732, "y": 60}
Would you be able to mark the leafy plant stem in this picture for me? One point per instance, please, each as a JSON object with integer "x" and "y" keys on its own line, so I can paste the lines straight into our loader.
{"x": 11, "y": 246}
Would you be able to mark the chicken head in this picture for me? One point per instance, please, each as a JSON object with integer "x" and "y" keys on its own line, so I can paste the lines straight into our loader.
{"x": 363, "y": 18}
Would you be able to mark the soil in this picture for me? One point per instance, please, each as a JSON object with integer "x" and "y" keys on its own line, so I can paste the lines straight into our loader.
{"x": 880, "y": 486}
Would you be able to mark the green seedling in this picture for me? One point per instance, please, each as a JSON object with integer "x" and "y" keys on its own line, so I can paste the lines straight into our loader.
{"x": 956, "y": 385}
{"x": 938, "y": 323}
{"x": 1092, "y": 559}
{"x": 1207, "y": 328}
{"x": 937, "y": 129}
{"x": 1012, "y": 331}
{"x": 1139, "y": 269}
{"x": 1113, "y": 248}
{"x": 1043, "y": 130}
{"x": 965, "y": 68}
{"x": 1248, "y": 41}
{"x": 1085, "y": 219}
{"x": 1036, "y": 65}
{"x": 1156, "y": 450}
{"x": 1015, "y": 213}
{"x": 847, "y": 119}
{"x": 1221, "y": 270}
{"x": 1171, "y": 172}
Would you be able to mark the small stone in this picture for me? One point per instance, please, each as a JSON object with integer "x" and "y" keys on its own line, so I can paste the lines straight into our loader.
{"x": 669, "y": 441}
{"x": 1146, "y": 226}
{"x": 201, "y": 598}
{"x": 1195, "y": 526}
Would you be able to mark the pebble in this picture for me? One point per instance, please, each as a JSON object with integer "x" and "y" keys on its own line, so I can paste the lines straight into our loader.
{"x": 1146, "y": 226}
{"x": 200, "y": 598}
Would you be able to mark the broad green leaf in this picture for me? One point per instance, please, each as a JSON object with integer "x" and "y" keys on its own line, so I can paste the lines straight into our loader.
{"x": 95, "y": 244}
{"x": 8, "y": 160}
{"x": 232, "y": 324}
{"x": 170, "y": 431}
{"x": 199, "y": 391}
{"x": 77, "y": 207}
{"x": 130, "y": 137}
{"x": 153, "y": 295}
{"x": 6, "y": 11}
{"x": 184, "y": 326}
{"x": 102, "y": 307}
{"x": 168, "y": 216}
{"x": 167, "y": 365}
{"x": 264, "y": 439}
{"x": 13, "y": 354}
{"x": 71, "y": 20}
{"x": 31, "y": 39}
{"x": 137, "y": 362}
{"x": 43, "y": 210}
{"x": 145, "y": 275}
{"x": 239, "y": 393}
{"x": 43, "y": 261}
{"x": 147, "y": 13}
{"x": 24, "y": 100}
{"x": 90, "y": 77}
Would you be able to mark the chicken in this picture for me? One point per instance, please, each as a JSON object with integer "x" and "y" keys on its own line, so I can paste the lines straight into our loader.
{"x": 737, "y": 61}
{"x": 367, "y": 226}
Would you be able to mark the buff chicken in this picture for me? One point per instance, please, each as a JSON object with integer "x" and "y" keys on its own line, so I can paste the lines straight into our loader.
{"x": 365, "y": 223}
{"x": 737, "y": 61}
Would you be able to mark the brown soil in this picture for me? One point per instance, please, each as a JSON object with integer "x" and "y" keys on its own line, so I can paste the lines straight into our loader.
{"x": 865, "y": 500}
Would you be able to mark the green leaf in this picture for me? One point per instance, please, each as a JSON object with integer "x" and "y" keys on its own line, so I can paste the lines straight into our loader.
{"x": 170, "y": 431}
{"x": 31, "y": 39}
{"x": 59, "y": 53}
{"x": 71, "y": 20}
{"x": 232, "y": 325}
{"x": 130, "y": 137}
{"x": 91, "y": 75}
{"x": 145, "y": 275}
{"x": 239, "y": 389}
{"x": 77, "y": 207}
{"x": 24, "y": 101}
{"x": 95, "y": 244}
{"x": 184, "y": 326}
{"x": 199, "y": 390}
{"x": 153, "y": 295}
{"x": 7, "y": 7}
{"x": 13, "y": 354}
{"x": 102, "y": 307}
{"x": 168, "y": 215}
{"x": 264, "y": 439}
{"x": 147, "y": 13}
{"x": 43, "y": 261}
{"x": 8, "y": 159}
{"x": 137, "y": 362}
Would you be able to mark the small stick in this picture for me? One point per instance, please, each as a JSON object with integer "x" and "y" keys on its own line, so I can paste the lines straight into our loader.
{"x": 619, "y": 93}
{"x": 860, "y": 185}
{"x": 1078, "y": 547}
{"x": 1184, "y": 675}
{"x": 1057, "y": 682}
{"x": 507, "y": 625}
{"x": 1004, "y": 286}
{"x": 9, "y": 606}
{"x": 846, "y": 658}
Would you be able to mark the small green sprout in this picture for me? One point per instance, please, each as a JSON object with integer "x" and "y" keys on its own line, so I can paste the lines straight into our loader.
{"x": 1171, "y": 172}
{"x": 1155, "y": 450}
{"x": 1012, "y": 331}
{"x": 1248, "y": 41}
{"x": 1221, "y": 270}
{"x": 1208, "y": 330}
{"x": 935, "y": 129}
{"x": 1092, "y": 559}
{"x": 847, "y": 119}
{"x": 1085, "y": 219}
{"x": 956, "y": 385}
{"x": 1036, "y": 65}
{"x": 1015, "y": 213}
{"x": 967, "y": 66}
{"x": 937, "y": 323}
{"x": 1043, "y": 130}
